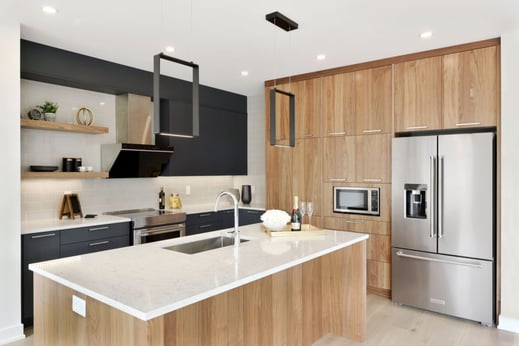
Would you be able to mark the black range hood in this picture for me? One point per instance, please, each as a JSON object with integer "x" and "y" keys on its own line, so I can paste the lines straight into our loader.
{"x": 127, "y": 160}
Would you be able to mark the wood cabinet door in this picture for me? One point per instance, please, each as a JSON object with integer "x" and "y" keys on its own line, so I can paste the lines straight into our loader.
{"x": 311, "y": 109}
{"x": 339, "y": 159}
{"x": 313, "y": 174}
{"x": 279, "y": 177}
{"x": 337, "y": 103}
{"x": 373, "y": 158}
{"x": 470, "y": 88}
{"x": 373, "y": 100}
{"x": 418, "y": 95}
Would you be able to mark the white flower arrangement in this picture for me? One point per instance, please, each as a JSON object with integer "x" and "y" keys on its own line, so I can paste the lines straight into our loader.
{"x": 275, "y": 219}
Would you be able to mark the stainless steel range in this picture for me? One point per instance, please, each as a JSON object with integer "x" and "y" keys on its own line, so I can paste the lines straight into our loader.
{"x": 149, "y": 225}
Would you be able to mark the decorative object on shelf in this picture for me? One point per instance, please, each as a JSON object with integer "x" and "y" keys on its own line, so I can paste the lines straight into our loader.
{"x": 275, "y": 219}
{"x": 85, "y": 116}
{"x": 34, "y": 114}
{"x": 246, "y": 195}
{"x": 49, "y": 110}
{"x": 70, "y": 206}
{"x": 40, "y": 168}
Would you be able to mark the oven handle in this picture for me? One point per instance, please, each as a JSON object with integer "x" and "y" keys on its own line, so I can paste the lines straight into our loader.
{"x": 161, "y": 230}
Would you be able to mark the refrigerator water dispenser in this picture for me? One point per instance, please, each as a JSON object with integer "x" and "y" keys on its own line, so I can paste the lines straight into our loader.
{"x": 415, "y": 201}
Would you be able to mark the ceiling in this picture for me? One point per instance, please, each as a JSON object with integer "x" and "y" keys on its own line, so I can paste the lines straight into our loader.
{"x": 227, "y": 36}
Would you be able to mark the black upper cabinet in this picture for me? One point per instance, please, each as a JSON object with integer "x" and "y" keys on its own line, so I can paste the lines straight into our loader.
{"x": 221, "y": 148}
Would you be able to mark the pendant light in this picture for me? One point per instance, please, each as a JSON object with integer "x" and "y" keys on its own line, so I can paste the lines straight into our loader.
{"x": 286, "y": 24}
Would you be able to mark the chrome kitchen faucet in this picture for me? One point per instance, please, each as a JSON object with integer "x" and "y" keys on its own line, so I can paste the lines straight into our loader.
{"x": 236, "y": 215}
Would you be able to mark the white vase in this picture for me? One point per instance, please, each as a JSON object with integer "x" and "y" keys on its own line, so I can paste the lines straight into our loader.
{"x": 50, "y": 116}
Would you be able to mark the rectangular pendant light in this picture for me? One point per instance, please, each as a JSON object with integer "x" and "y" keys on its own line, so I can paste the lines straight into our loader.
{"x": 156, "y": 94}
{"x": 292, "y": 116}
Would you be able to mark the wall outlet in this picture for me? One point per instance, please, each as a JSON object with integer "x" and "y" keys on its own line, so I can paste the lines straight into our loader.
{"x": 79, "y": 305}
{"x": 188, "y": 190}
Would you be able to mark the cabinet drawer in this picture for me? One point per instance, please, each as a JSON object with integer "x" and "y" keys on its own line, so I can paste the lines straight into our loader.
{"x": 94, "y": 246}
{"x": 95, "y": 232}
{"x": 40, "y": 246}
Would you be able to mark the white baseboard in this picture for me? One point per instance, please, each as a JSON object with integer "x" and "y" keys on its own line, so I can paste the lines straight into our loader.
{"x": 508, "y": 324}
{"x": 11, "y": 334}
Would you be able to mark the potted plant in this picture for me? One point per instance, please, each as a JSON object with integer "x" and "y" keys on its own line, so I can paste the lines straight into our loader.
{"x": 49, "y": 110}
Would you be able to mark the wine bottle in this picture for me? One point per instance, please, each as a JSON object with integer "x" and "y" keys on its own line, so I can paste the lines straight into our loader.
{"x": 162, "y": 197}
{"x": 296, "y": 216}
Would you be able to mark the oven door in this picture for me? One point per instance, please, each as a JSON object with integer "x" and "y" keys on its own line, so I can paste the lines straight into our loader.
{"x": 151, "y": 234}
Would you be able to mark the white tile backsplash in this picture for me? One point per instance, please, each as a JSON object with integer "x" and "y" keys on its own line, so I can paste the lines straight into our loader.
{"x": 41, "y": 198}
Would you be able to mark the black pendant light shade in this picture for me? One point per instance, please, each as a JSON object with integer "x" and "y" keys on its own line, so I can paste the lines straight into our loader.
{"x": 292, "y": 116}
{"x": 156, "y": 94}
{"x": 281, "y": 21}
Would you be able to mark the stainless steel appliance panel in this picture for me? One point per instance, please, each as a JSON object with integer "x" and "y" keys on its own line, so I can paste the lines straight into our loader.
{"x": 466, "y": 207}
{"x": 455, "y": 286}
{"x": 413, "y": 163}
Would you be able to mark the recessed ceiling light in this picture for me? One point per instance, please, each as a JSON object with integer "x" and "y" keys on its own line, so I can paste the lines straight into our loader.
{"x": 321, "y": 57}
{"x": 244, "y": 73}
{"x": 426, "y": 34}
{"x": 49, "y": 9}
{"x": 169, "y": 49}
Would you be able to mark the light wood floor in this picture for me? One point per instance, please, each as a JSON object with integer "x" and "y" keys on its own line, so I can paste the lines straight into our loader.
{"x": 393, "y": 325}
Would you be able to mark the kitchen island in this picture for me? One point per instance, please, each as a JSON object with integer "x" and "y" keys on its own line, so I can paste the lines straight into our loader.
{"x": 269, "y": 291}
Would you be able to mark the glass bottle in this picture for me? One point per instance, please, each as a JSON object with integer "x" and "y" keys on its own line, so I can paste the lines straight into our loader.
{"x": 162, "y": 197}
{"x": 296, "y": 216}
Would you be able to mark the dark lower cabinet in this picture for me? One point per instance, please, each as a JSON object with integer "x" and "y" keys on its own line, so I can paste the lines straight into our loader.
{"x": 203, "y": 222}
{"x": 249, "y": 216}
{"x": 46, "y": 246}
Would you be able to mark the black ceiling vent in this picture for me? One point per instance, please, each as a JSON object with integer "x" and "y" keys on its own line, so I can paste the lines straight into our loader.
{"x": 281, "y": 21}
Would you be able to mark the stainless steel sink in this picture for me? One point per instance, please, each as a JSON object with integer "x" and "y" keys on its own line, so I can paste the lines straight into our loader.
{"x": 202, "y": 245}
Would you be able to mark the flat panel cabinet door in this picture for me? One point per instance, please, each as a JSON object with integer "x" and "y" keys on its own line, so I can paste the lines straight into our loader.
{"x": 412, "y": 165}
{"x": 470, "y": 88}
{"x": 466, "y": 209}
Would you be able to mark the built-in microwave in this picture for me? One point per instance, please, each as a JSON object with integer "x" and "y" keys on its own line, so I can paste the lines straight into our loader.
{"x": 356, "y": 200}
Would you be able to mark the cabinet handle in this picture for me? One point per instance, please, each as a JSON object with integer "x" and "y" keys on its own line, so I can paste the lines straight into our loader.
{"x": 416, "y": 127}
{"x": 338, "y": 179}
{"x": 377, "y": 180}
{"x": 251, "y": 212}
{"x": 205, "y": 226}
{"x": 371, "y": 131}
{"x": 468, "y": 124}
{"x": 205, "y": 215}
{"x": 43, "y": 236}
{"x": 98, "y": 229}
{"x": 99, "y": 243}
{"x": 354, "y": 222}
{"x": 337, "y": 133}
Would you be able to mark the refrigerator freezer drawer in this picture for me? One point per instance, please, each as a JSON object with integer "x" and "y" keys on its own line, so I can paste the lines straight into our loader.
{"x": 454, "y": 286}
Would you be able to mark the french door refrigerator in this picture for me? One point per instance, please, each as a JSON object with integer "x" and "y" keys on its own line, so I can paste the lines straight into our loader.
{"x": 443, "y": 224}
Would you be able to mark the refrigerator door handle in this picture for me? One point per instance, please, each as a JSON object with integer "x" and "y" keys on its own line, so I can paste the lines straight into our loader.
{"x": 400, "y": 253}
{"x": 440, "y": 197}
{"x": 432, "y": 228}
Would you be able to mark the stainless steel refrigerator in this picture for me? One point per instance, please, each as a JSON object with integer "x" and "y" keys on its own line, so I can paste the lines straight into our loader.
{"x": 443, "y": 224}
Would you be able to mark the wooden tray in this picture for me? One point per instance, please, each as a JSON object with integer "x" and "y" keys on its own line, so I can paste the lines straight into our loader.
{"x": 307, "y": 231}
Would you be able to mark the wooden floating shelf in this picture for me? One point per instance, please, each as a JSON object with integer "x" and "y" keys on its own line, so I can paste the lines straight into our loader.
{"x": 64, "y": 175}
{"x": 54, "y": 126}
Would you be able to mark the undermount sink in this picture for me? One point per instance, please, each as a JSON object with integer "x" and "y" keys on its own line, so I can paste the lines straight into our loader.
{"x": 202, "y": 245}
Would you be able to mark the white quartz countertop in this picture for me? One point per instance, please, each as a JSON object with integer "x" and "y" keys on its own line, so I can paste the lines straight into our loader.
{"x": 147, "y": 281}
{"x": 46, "y": 225}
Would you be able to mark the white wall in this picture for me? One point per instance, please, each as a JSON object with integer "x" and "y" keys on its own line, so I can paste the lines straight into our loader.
{"x": 509, "y": 318}
{"x": 10, "y": 310}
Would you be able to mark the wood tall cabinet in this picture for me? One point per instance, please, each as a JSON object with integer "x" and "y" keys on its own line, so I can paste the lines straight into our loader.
{"x": 418, "y": 95}
{"x": 359, "y": 109}
{"x": 373, "y": 100}
{"x": 470, "y": 88}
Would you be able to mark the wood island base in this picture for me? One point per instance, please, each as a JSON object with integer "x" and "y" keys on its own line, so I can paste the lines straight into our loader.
{"x": 296, "y": 306}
